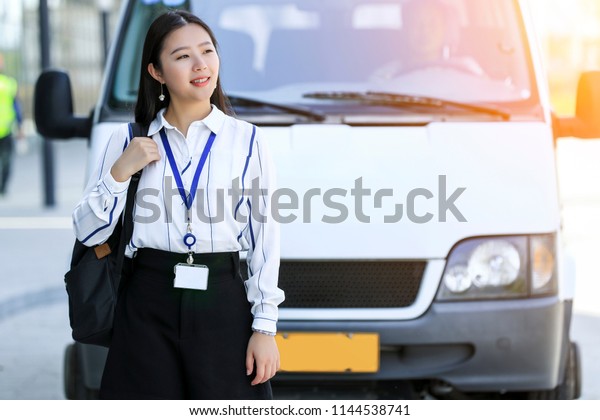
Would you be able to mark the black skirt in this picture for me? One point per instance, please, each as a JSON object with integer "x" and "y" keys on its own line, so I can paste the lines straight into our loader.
{"x": 171, "y": 343}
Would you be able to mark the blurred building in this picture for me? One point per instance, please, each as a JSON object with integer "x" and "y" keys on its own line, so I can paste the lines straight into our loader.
{"x": 569, "y": 32}
{"x": 76, "y": 45}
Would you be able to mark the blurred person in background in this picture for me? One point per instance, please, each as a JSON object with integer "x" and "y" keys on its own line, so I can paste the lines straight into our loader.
{"x": 431, "y": 34}
{"x": 10, "y": 113}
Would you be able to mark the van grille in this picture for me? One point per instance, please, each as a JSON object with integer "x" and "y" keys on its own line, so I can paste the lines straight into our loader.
{"x": 348, "y": 284}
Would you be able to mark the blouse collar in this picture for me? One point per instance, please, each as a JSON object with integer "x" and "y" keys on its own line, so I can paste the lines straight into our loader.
{"x": 213, "y": 121}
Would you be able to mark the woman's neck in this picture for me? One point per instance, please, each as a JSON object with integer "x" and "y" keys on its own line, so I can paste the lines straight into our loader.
{"x": 182, "y": 116}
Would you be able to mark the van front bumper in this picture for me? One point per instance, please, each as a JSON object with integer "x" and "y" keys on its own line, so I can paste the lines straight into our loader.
{"x": 509, "y": 345}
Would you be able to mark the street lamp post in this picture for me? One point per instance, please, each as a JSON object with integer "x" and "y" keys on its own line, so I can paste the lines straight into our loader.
{"x": 47, "y": 150}
{"x": 105, "y": 7}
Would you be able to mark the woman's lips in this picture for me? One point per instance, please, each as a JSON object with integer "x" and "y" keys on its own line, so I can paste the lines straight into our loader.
{"x": 200, "y": 82}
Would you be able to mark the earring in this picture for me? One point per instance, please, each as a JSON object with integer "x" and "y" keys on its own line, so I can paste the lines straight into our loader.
{"x": 161, "y": 97}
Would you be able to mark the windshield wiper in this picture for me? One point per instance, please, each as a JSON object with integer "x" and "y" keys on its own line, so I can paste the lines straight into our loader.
{"x": 399, "y": 99}
{"x": 297, "y": 110}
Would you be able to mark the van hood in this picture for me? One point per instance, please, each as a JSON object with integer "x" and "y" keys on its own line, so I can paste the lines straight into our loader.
{"x": 410, "y": 192}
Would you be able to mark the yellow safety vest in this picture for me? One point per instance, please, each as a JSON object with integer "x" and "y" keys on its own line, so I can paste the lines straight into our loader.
{"x": 8, "y": 92}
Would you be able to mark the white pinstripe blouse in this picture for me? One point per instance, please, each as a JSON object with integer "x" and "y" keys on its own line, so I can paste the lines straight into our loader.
{"x": 220, "y": 211}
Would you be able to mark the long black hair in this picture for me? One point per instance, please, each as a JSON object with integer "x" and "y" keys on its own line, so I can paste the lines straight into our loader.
{"x": 148, "y": 104}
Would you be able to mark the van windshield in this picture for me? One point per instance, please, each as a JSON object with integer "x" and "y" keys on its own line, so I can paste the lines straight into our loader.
{"x": 282, "y": 51}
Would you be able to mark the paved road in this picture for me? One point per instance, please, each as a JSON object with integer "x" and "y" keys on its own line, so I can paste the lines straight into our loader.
{"x": 35, "y": 243}
{"x": 35, "y": 246}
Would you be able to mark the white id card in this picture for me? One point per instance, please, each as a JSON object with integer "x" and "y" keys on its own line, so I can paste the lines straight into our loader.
{"x": 191, "y": 276}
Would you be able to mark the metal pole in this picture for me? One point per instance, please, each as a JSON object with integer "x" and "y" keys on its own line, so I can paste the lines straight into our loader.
{"x": 104, "y": 14}
{"x": 47, "y": 150}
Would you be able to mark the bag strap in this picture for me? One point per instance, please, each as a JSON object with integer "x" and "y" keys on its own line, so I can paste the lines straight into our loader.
{"x": 136, "y": 130}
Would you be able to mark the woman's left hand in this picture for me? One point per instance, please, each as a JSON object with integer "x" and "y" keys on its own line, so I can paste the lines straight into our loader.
{"x": 262, "y": 349}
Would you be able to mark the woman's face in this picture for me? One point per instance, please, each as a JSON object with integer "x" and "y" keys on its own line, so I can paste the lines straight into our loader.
{"x": 189, "y": 65}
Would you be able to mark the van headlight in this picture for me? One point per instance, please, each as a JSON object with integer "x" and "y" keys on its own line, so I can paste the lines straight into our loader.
{"x": 543, "y": 265}
{"x": 500, "y": 267}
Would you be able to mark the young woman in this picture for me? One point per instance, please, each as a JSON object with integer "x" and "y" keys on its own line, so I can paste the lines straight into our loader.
{"x": 187, "y": 326}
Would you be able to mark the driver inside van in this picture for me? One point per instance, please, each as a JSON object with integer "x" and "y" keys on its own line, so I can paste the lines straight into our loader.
{"x": 430, "y": 36}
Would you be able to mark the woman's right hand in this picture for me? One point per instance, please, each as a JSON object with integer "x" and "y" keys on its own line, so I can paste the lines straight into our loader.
{"x": 139, "y": 153}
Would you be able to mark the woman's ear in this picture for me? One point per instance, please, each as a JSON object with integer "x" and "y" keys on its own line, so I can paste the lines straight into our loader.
{"x": 155, "y": 73}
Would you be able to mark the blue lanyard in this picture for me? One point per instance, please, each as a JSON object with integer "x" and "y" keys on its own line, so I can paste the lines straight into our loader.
{"x": 188, "y": 239}
{"x": 187, "y": 200}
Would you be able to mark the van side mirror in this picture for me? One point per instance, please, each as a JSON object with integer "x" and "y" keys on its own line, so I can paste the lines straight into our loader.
{"x": 586, "y": 122}
{"x": 53, "y": 108}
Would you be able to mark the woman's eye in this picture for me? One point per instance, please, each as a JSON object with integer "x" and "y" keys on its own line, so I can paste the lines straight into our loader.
{"x": 182, "y": 56}
{"x": 208, "y": 51}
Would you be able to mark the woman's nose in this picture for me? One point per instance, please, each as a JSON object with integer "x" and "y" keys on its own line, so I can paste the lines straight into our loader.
{"x": 200, "y": 65}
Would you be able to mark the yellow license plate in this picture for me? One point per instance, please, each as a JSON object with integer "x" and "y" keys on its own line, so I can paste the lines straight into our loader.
{"x": 328, "y": 352}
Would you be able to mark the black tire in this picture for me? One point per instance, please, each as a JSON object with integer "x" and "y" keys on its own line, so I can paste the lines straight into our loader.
{"x": 70, "y": 372}
{"x": 570, "y": 387}
{"x": 74, "y": 385}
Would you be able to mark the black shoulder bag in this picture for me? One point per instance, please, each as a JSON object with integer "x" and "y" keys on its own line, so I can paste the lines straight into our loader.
{"x": 93, "y": 281}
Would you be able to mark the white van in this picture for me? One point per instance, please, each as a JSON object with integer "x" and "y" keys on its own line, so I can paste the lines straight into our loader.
{"x": 420, "y": 216}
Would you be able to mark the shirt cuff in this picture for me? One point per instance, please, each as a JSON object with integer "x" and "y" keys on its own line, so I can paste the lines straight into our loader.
{"x": 114, "y": 187}
{"x": 264, "y": 324}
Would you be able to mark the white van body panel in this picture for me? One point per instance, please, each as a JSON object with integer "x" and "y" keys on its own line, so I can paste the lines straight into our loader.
{"x": 492, "y": 161}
